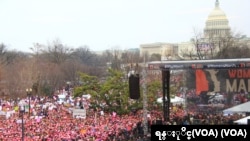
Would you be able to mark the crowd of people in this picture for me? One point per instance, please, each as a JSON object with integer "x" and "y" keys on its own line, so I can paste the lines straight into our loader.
{"x": 56, "y": 123}
{"x": 47, "y": 120}
{"x": 180, "y": 116}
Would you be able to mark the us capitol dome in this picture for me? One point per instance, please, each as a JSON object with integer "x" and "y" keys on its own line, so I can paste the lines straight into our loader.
{"x": 217, "y": 23}
{"x": 216, "y": 27}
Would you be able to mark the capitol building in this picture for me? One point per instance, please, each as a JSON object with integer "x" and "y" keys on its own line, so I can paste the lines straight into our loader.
{"x": 216, "y": 26}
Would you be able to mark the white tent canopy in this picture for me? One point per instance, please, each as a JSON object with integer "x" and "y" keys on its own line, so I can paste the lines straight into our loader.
{"x": 242, "y": 121}
{"x": 175, "y": 100}
{"x": 241, "y": 108}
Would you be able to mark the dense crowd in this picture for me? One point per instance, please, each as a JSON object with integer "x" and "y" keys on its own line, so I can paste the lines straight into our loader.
{"x": 51, "y": 121}
{"x": 57, "y": 124}
{"x": 180, "y": 116}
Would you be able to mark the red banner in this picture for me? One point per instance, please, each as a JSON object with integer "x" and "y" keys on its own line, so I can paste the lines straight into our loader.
{"x": 201, "y": 81}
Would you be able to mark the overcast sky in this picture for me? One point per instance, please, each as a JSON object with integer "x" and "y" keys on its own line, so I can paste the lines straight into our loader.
{"x": 107, "y": 24}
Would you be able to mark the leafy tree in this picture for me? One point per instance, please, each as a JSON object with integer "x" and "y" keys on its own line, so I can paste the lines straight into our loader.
{"x": 110, "y": 94}
{"x": 114, "y": 92}
{"x": 90, "y": 85}
{"x": 47, "y": 89}
{"x": 153, "y": 88}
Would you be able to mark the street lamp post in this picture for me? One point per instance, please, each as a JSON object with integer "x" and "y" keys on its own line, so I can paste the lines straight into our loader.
{"x": 22, "y": 110}
{"x": 29, "y": 94}
{"x": 145, "y": 99}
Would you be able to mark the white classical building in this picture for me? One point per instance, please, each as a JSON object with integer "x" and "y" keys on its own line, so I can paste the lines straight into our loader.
{"x": 216, "y": 25}
{"x": 166, "y": 50}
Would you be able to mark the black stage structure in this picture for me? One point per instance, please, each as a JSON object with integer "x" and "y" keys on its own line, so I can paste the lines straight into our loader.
{"x": 167, "y": 66}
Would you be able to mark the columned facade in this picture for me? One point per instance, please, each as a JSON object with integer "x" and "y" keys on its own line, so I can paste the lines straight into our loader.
{"x": 216, "y": 28}
{"x": 217, "y": 24}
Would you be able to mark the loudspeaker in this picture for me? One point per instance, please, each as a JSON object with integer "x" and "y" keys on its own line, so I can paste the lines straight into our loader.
{"x": 248, "y": 121}
{"x": 134, "y": 86}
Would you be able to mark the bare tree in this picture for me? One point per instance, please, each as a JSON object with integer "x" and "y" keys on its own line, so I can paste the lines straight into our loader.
{"x": 84, "y": 55}
{"x": 6, "y": 56}
{"x": 222, "y": 46}
{"x": 16, "y": 77}
{"x": 58, "y": 53}
{"x": 155, "y": 57}
{"x": 234, "y": 48}
{"x": 2, "y": 53}
{"x": 113, "y": 58}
